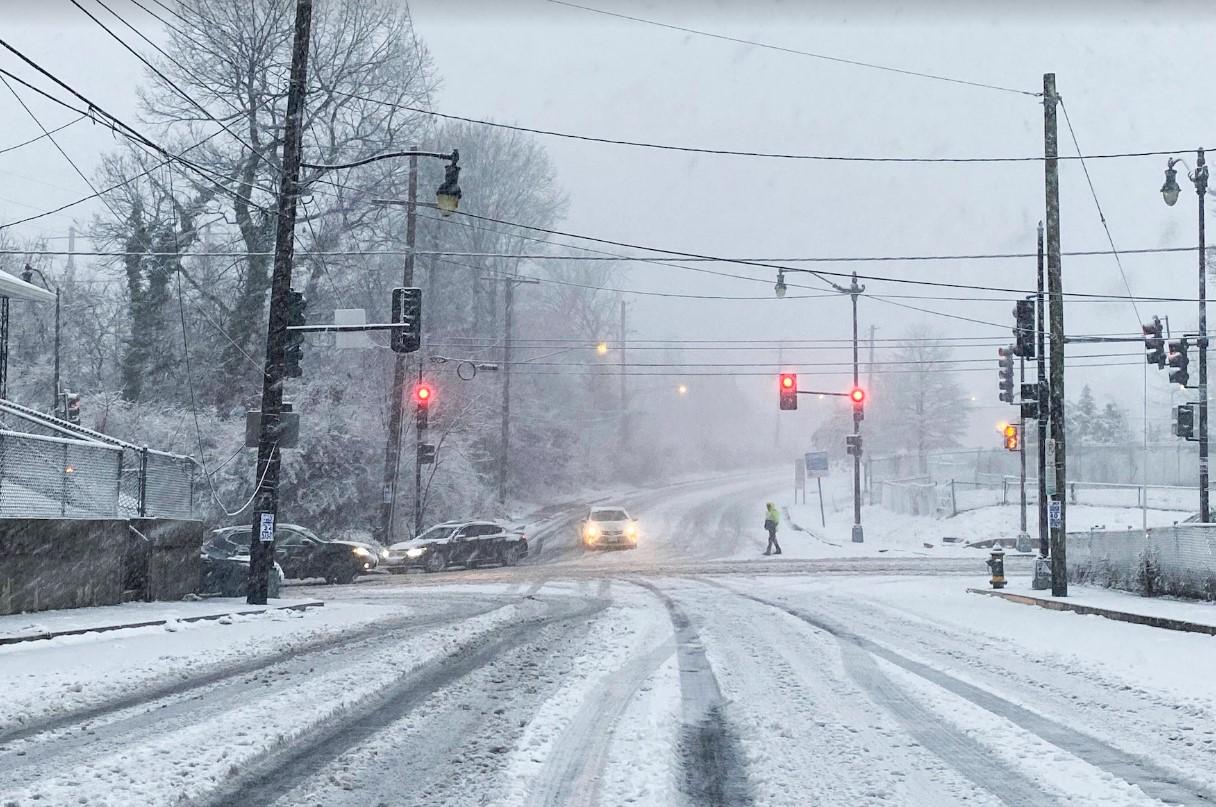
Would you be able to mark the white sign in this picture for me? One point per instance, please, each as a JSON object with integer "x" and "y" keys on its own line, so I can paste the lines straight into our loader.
{"x": 1055, "y": 515}
{"x": 816, "y": 463}
{"x": 799, "y": 473}
{"x": 266, "y": 531}
{"x": 352, "y": 339}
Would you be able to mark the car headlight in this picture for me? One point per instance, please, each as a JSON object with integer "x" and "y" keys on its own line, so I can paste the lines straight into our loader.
{"x": 384, "y": 554}
{"x": 631, "y": 531}
{"x": 415, "y": 552}
{"x": 591, "y": 532}
{"x": 361, "y": 552}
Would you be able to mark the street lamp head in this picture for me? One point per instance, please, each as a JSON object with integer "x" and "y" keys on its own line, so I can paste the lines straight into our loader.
{"x": 780, "y": 288}
{"x": 602, "y": 349}
{"x": 447, "y": 197}
{"x": 27, "y": 274}
{"x": 1170, "y": 190}
{"x": 682, "y": 389}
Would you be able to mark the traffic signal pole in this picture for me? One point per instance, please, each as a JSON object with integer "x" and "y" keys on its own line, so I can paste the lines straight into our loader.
{"x": 261, "y": 544}
{"x": 1041, "y": 361}
{"x": 1055, "y": 293}
{"x": 392, "y": 449}
{"x": 420, "y": 428}
{"x": 858, "y": 534}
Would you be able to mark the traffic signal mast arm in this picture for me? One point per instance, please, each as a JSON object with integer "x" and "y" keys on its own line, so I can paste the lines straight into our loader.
{"x": 385, "y": 326}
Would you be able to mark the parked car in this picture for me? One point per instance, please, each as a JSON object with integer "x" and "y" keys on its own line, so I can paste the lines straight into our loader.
{"x": 227, "y": 575}
{"x": 458, "y": 543}
{"x": 609, "y": 528}
{"x": 302, "y": 553}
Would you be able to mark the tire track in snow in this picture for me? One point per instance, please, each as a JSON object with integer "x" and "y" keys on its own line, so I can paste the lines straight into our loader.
{"x": 264, "y": 780}
{"x": 1155, "y": 781}
{"x": 153, "y": 693}
{"x": 714, "y": 771}
{"x": 573, "y": 773}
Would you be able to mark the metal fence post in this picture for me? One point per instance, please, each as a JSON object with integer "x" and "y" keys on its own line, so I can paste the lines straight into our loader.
{"x": 953, "y": 501}
{"x": 63, "y": 474}
{"x": 118, "y": 487}
{"x": 143, "y": 482}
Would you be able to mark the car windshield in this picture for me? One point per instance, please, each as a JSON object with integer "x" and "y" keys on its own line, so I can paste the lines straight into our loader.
{"x": 609, "y": 515}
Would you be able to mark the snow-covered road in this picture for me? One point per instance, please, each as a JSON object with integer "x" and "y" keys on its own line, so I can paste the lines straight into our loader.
{"x": 669, "y": 676}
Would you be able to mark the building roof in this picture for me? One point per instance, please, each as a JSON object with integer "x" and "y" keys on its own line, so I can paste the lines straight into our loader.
{"x": 17, "y": 289}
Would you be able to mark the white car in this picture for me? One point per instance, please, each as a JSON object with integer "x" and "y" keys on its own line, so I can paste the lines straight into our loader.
{"x": 609, "y": 528}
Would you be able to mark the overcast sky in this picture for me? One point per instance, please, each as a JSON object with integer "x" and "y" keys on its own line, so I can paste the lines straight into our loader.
{"x": 1134, "y": 77}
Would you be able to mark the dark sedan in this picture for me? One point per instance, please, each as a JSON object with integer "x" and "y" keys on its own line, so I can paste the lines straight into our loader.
{"x": 303, "y": 554}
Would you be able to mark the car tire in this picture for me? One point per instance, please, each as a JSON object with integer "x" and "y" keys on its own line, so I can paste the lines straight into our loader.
{"x": 436, "y": 561}
{"x": 510, "y": 555}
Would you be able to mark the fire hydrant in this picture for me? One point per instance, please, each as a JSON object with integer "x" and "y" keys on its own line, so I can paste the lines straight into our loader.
{"x": 996, "y": 564}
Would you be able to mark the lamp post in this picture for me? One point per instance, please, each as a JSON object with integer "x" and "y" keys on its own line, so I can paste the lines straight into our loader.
{"x": 447, "y": 199}
{"x": 854, "y": 291}
{"x": 1170, "y": 192}
{"x": 27, "y": 275}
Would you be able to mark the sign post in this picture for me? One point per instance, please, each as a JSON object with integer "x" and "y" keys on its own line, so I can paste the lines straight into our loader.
{"x": 799, "y": 481}
{"x": 817, "y": 466}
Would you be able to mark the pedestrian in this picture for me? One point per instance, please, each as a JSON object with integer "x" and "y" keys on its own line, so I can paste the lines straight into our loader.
{"x": 771, "y": 519}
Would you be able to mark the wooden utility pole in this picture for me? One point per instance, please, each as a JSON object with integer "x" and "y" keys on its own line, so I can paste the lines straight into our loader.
{"x": 261, "y": 540}
{"x": 1041, "y": 366}
{"x": 392, "y": 449}
{"x": 1055, "y": 291}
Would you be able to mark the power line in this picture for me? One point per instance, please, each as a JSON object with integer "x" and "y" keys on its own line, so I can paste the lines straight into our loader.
{"x": 845, "y": 158}
{"x": 45, "y": 134}
{"x": 795, "y": 52}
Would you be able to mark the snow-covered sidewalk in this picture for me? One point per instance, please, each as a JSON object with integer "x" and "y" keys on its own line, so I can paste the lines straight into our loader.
{"x": 1122, "y": 602}
{"x": 132, "y": 615}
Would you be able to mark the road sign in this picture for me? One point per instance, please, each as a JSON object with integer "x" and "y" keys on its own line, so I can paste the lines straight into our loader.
{"x": 357, "y": 340}
{"x": 266, "y": 530}
{"x": 799, "y": 473}
{"x": 1055, "y": 514}
{"x": 816, "y": 463}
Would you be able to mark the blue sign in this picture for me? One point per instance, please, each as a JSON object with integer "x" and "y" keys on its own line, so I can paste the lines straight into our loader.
{"x": 816, "y": 463}
{"x": 1055, "y": 515}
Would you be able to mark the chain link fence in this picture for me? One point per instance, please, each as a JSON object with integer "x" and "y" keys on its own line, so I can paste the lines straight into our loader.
{"x": 1179, "y": 560}
{"x": 61, "y": 471}
{"x": 48, "y": 477}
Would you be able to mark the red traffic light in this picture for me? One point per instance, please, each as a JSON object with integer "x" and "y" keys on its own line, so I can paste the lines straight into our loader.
{"x": 857, "y": 395}
{"x": 423, "y": 394}
{"x": 787, "y": 385}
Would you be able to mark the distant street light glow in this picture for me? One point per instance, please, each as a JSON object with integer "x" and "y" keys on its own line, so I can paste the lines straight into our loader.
{"x": 602, "y": 348}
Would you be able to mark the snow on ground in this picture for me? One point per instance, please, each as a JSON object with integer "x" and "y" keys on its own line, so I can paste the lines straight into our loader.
{"x": 59, "y": 675}
{"x": 189, "y": 760}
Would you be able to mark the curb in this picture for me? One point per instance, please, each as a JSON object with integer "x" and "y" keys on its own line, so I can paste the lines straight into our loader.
{"x": 37, "y": 637}
{"x": 1106, "y": 613}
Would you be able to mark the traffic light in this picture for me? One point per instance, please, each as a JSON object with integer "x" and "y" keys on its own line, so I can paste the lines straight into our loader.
{"x": 1178, "y": 359}
{"x": 71, "y": 408}
{"x": 426, "y": 453}
{"x": 858, "y": 396}
{"x": 293, "y": 350}
{"x": 423, "y": 395}
{"x": 1005, "y": 365}
{"x": 788, "y": 386}
{"x": 852, "y": 445}
{"x": 1012, "y": 438}
{"x": 407, "y": 311}
{"x": 1184, "y": 421}
{"x": 1030, "y": 401}
{"x": 1023, "y": 331}
{"x": 1154, "y": 345}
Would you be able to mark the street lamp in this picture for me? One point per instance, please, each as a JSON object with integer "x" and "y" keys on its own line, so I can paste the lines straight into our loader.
{"x": 602, "y": 349}
{"x": 854, "y": 291}
{"x": 780, "y": 287}
{"x": 27, "y": 274}
{"x": 447, "y": 197}
{"x": 682, "y": 389}
{"x": 1170, "y": 192}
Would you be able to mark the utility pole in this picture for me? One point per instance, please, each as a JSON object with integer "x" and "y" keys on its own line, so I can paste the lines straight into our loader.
{"x": 858, "y": 534}
{"x": 392, "y": 448}
{"x": 261, "y": 542}
{"x": 1055, "y": 291}
{"x": 1041, "y": 361}
{"x": 508, "y": 337}
{"x": 1201, "y": 187}
{"x": 624, "y": 384}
